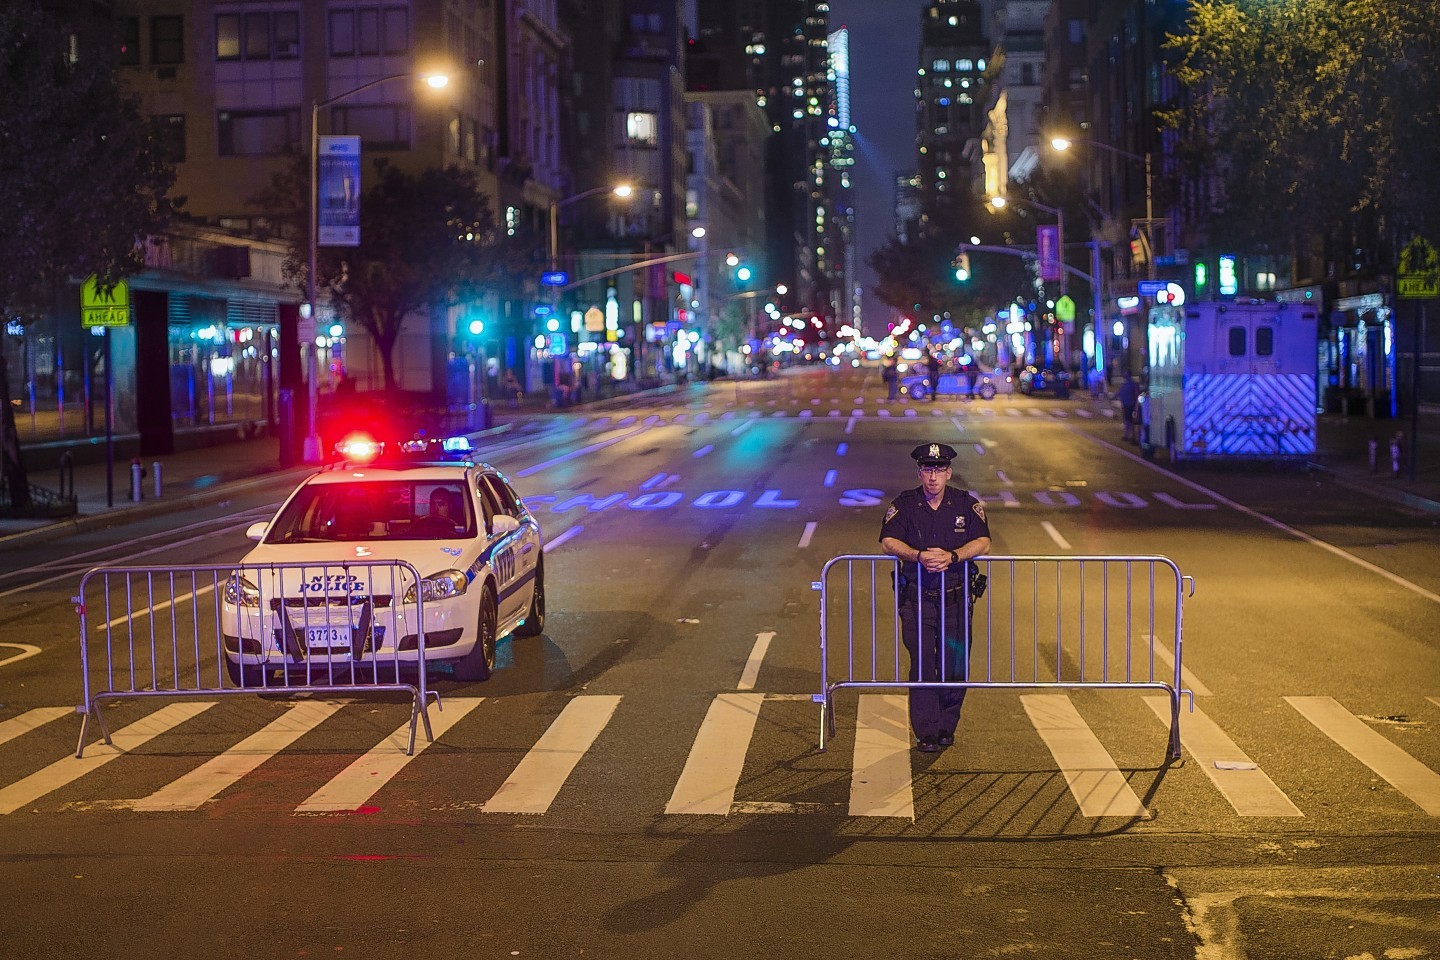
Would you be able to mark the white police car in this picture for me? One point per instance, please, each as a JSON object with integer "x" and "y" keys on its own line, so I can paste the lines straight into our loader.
{"x": 328, "y": 582}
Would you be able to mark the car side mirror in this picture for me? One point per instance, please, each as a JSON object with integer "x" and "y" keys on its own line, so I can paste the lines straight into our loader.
{"x": 256, "y": 531}
{"x": 503, "y": 523}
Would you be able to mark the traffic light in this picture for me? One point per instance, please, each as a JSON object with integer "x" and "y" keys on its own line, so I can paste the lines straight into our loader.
{"x": 961, "y": 263}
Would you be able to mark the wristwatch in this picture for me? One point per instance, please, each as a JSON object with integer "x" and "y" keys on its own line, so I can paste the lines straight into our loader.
{"x": 954, "y": 557}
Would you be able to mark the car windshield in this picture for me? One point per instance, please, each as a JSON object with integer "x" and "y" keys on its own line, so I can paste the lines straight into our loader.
{"x": 375, "y": 510}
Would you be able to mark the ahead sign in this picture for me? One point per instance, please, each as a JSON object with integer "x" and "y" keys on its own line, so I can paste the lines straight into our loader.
{"x": 104, "y": 308}
{"x": 1418, "y": 277}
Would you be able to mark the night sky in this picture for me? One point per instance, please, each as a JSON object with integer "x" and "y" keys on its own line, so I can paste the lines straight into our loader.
{"x": 884, "y": 42}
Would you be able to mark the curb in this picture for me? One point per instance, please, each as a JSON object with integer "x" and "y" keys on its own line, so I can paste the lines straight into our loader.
{"x": 1375, "y": 488}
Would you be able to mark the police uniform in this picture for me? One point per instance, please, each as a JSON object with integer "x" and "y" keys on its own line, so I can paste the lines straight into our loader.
{"x": 958, "y": 520}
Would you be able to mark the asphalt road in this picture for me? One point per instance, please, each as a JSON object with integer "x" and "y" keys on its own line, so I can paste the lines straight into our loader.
{"x": 683, "y": 538}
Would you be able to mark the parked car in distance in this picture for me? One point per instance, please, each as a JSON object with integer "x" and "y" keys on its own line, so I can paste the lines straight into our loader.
{"x": 1033, "y": 380}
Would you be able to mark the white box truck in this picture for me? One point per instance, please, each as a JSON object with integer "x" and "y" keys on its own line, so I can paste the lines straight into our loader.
{"x": 1232, "y": 380}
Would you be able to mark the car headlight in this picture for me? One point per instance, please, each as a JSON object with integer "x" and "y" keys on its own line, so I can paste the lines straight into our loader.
{"x": 240, "y": 592}
{"x": 439, "y": 586}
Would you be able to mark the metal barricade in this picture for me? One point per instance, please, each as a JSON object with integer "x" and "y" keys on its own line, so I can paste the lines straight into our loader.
{"x": 1038, "y": 622}
{"x": 279, "y": 628}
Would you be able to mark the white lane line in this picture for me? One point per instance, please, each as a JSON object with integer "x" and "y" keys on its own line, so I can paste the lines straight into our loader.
{"x": 850, "y": 424}
{"x": 361, "y": 780}
{"x": 1434, "y": 700}
{"x": 582, "y": 451}
{"x": 1286, "y": 528}
{"x": 805, "y": 537}
{"x": 1060, "y": 541}
{"x": 1192, "y": 682}
{"x": 880, "y": 780}
{"x": 841, "y": 448}
{"x": 830, "y": 476}
{"x": 1004, "y": 478}
{"x": 535, "y": 783}
{"x": 1395, "y": 766}
{"x": 1096, "y": 783}
{"x": 569, "y": 534}
{"x": 712, "y": 770}
{"x": 757, "y": 656}
{"x": 30, "y": 720}
{"x": 704, "y": 450}
{"x": 67, "y": 771}
{"x": 27, "y": 650}
{"x": 979, "y": 449}
{"x": 1244, "y": 785}
{"x": 207, "y": 780}
{"x": 142, "y": 612}
{"x": 742, "y": 428}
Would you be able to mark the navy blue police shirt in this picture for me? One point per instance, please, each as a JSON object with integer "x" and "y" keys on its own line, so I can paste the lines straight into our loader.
{"x": 959, "y": 519}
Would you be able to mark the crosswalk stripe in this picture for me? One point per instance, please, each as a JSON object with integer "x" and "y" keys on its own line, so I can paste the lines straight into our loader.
{"x": 880, "y": 779}
{"x": 532, "y": 787}
{"x": 31, "y": 719}
{"x": 361, "y": 780}
{"x": 207, "y": 780}
{"x": 712, "y": 770}
{"x": 1398, "y": 768}
{"x": 1165, "y": 652}
{"x": 66, "y": 771}
{"x": 1097, "y": 784}
{"x": 1244, "y": 785}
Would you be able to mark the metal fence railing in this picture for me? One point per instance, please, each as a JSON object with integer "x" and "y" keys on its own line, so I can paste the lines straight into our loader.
{"x": 282, "y": 628}
{"x": 1038, "y": 622}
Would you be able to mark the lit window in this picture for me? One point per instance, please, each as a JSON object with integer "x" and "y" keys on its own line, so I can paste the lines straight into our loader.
{"x": 642, "y": 127}
{"x": 941, "y": 66}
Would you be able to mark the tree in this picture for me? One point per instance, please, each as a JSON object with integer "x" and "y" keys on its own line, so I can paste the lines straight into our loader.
{"x": 1305, "y": 118}
{"x": 426, "y": 240}
{"x": 83, "y": 182}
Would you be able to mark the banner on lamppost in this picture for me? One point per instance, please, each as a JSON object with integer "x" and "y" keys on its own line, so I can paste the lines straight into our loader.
{"x": 1047, "y": 241}
{"x": 339, "y": 192}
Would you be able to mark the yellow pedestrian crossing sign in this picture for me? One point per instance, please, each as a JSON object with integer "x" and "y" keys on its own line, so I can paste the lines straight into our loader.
{"x": 1419, "y": 274}
{"x": 104, "y": 308}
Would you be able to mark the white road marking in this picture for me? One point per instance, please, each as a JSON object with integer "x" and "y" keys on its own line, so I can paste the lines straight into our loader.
{"x": 1278, "y": 525}
{"x": 535, "y": 783}
{"x": 704, "y": 450}
{"x": 67, "y": 771}
{"x": 712, "y": 770}
{"x": 1060, "y": 541}
{"x": 30, "y": 720}
{"x": 1395, "y": 766}
{"x": 840, "y": 449}
{"x": 27, "y": 650}
{"x": 830, "y": 476}
{"x": 207, "y": 780}
{"x": 805, "y": 537}
{"x": 1244, "y": 785}
{"x": 1004, "y": 478}
{"x": 351, "y": 787}
{"x": 569, "y": 534}
{"x": 582, "y": 451}
{"x": 1096, "y": 783}
{"x": 757, "y": 656}
{"x": 880, "y": 780}
{"x": 1192, "y": 682}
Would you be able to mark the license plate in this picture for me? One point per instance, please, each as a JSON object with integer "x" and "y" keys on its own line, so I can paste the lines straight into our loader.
{"x": 327, "y": 637}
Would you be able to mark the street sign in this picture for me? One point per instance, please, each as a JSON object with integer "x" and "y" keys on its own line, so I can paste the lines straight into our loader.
{"x": 1065, "y": 309}
{"x": 554, "y": 278}
{"x": 1149, "y": 288}
{"x": 104, "y": 308}
{"x": 594, "y": 320}
{"x": 1418, "y": 276}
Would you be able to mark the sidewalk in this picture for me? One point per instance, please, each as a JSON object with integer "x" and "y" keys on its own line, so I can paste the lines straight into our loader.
{"x": 204, "y": 475}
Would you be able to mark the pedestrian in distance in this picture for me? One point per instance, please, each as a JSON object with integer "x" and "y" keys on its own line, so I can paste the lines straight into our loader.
{"x": 1129, "y": 397}
{"x": 935, "y": 530}
{"x": 891, "y": 376}
{"x": 932, "y": 368}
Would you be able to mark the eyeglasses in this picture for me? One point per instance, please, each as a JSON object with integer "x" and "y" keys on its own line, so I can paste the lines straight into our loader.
{"x": 934, "y": 469}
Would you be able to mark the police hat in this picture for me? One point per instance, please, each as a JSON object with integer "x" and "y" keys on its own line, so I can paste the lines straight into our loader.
{"x": 933, "y": 455}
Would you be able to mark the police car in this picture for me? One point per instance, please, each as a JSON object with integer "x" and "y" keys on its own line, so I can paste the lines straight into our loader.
{"x": 331, "y": 578}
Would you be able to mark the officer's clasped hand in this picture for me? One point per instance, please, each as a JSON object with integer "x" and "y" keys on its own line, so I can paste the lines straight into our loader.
{"x": 935, "y": 559}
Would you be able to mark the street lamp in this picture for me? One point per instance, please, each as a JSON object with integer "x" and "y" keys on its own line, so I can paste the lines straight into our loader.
{"x": 621, "y": 190}
{"x": 435, "y": 81}
{"x": 1063, "y": 143}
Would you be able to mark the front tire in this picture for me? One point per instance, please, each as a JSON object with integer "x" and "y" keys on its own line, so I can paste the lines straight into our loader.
{"x": 479, "y": 663}
{"x": 918, "y": 392}
{"x": 534, "y": 623}
{"x": 986, "y": 390}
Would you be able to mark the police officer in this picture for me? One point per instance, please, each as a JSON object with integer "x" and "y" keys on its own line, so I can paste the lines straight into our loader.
{"x": 933, "y": 530}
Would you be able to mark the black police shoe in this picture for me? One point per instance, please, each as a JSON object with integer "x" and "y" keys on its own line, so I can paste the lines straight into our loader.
{"x": 928, "y": 745}
{"x": 946, "y": 740}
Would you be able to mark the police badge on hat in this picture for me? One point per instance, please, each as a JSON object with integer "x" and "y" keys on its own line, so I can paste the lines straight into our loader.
{"x": 933, "y": 454}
